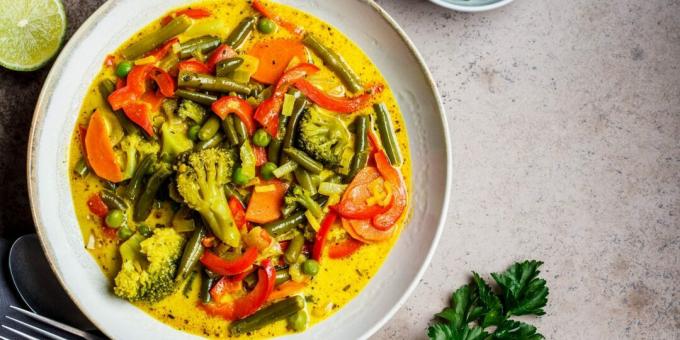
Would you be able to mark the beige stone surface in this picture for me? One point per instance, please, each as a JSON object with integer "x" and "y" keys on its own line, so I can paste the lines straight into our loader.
{"x": 565, "y": 126}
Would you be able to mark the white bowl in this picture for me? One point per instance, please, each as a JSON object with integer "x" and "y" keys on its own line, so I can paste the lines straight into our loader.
{"x": 57, "y": 109}
{"x": 471, "y": 7}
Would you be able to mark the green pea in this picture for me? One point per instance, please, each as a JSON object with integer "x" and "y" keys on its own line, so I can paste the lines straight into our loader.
{"x": 267, "y": 170}
{"x": 192, "y": 133}
{"x": 239, "y": 177}
{"x": 114, "y": 219}
{"x": 310, "y": 267}
{"x": 298, "y": 321}
{"x": 124, "y": 233}
{"x": 144, "y": 230}
{"x": 266, "y": 25}
{"x": 123, "y": 68}
{"x": 261, "y": 138}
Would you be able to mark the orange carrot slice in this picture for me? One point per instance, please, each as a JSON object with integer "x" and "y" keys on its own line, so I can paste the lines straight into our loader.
{"x": 274, "y": 56}
{"x": 100, "y": 153}
{"x": 265, "y": 206}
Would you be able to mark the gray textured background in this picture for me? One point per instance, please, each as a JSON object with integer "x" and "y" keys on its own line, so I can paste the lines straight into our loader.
{"x": 565, "y": 121}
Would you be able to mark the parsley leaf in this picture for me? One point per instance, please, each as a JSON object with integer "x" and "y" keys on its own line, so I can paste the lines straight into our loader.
{"x": 523, "y": 292}
{"x": 476, "y": 307}
{"x": 516, "y": 330}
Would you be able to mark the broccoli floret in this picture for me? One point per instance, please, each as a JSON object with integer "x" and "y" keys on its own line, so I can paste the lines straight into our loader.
{"x": 174, "y": 133}
{"x": 325, "y": 138}
{"x": 191, "y": 110}
{"x": 133, "y": 148}
{"x": 297, "y": 195}
{"x": 201, "y": 177}
{"x": 148, "y": 266}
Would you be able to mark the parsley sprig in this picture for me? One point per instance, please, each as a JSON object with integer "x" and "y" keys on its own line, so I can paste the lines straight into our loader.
{"x": 476, "y": 308}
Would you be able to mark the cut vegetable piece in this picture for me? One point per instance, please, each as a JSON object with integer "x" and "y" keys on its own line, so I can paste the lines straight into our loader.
{"x": 100, "y": 154}
{"x": 274, "y": 56}
{"x": 265, "y": 207}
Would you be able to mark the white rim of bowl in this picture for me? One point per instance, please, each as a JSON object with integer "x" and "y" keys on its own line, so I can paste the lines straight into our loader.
{"x": 52, "y": 79}
{"x": 471, "y": 9}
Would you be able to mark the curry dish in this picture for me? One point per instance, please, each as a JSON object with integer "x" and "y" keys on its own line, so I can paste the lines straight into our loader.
{"x": 239, "y": 169}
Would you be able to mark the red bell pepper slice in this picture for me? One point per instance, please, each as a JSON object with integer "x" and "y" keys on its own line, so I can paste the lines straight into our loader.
{"x": 250, "y": 303}
{"x": 344, "y": 249}
{"x": 193, "y": 13}
{"x": 238, "y": 106}
{"x": 336, "y": 104}
{"x": 139, "y": 113}
{"x": 354, "y": 203}
{"x": 166, "y": 85}
{"x": 292, "y": 28}
{"x": 322, "y": 234}
{"x": 122, "y": 97}
{"x": 267, "y": 114}
{"x": 163, "y": 50}
{"x": 193, "y": 66}
{"x": 97, "y": 206}
{"x": 239, "y": 213}
{"x": 389, "y": 218}
{"x": 222, "y": 52}
{"x": 226, "y": 285}
{"x": 229, "y": 267}
{"x": 260, "y": 155}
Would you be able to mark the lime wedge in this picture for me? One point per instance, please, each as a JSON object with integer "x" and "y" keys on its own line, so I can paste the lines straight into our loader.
{"x": 31, "y": 32}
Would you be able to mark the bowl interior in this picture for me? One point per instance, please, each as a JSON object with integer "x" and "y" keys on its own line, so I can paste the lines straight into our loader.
{"x": 56, "y": 113}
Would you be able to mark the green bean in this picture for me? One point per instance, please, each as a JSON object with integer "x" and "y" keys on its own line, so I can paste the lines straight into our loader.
{"x": 189, "y": 284}
{"x": 207, "y": 281}
{"x": 193, "y": 251}
{"x": 250, "y": 281}
{"x": 273, "y": 150}
{"x": 106, "y": 87}
{"x": 282, "y": 276}
{"x": 210, "y": 143}
{"x": 285, "y": 225}
{"x": 112, "y": 200}
{"x": 305, "y": 180}
{"x": 335, "y": 62}
{"x": 304, "y": 160}
{"x": 210, "y": 83}
{"x": 134, "y": 187}
{"x": 294, "y": 248}
{"x": 81, "y": 168}
{"x": 225, "y": 67}
{"x": 198, "y": 97}
{"x": 268, "y": 315}
{"x": 387, "y": 134}
{"x": 209, "y": 128}
{"x": 241, "y": 32}
{"x": 202, "y": 44}
{"x": 241, "y": 130}
{"x": 229, "y": 131}
{"x": 293, "y": 121}
{"x": 359, "y": 161}
{"x": 298, "y": 321}
{"x": 285, "y": 169}
{"x": 361, "y": 135}
{"x": 169, "y": 62}
{"x": 157, "y": 38}
{"x": 145, "y": 202}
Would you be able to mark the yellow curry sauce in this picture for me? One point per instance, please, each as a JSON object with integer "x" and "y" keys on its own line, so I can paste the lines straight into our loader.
{"x": 338, "y": 280}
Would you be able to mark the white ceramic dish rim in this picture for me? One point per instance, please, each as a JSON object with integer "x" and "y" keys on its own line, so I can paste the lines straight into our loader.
{"x": 472, "y": 9}
{"x": 53, "y": 78}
